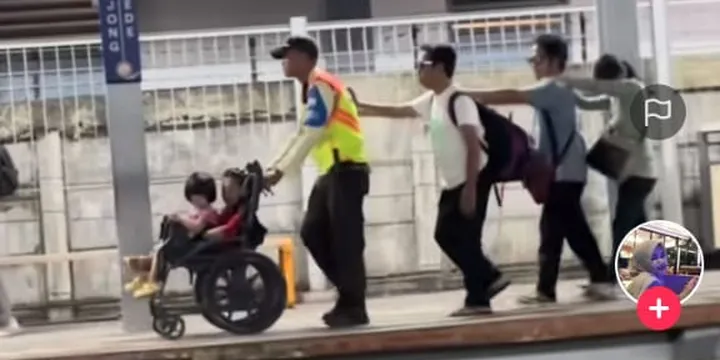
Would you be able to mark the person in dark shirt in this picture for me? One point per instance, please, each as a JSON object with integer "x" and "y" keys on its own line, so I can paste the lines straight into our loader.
{"x": 234, "y": 195}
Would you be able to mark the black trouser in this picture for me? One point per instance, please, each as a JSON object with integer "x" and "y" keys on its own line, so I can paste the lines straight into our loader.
{"x": 177, "y": 241}
{"x": 459, "y": 238}
{"x": 563, "y": 218}
{"x": 334, "y": 230}
{"x": 629, "y": 210}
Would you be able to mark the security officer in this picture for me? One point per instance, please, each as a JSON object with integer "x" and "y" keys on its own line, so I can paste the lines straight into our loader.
{"x": 333, "y": 227}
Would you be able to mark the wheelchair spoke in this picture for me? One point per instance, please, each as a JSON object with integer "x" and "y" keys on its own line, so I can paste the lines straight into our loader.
{"x": 244, "y": 294}
{"x": 239, "y": 290}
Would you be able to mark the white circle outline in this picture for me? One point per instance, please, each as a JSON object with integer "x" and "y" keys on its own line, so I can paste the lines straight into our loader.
{"x": 692, "y": 237}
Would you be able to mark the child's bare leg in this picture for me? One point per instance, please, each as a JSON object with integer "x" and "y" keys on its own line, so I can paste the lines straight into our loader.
{"x": 151, "y": 285}
{"x": 137, "y": 265}
{"x": 152, "y": 274}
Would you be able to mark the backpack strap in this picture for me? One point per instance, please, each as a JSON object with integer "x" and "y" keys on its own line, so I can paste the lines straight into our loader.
{"x": 557, "y": 157}
{"x": 453, "y": 117}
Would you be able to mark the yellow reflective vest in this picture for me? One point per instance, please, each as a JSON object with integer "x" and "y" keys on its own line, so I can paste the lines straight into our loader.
{"x": 343, "y": 139}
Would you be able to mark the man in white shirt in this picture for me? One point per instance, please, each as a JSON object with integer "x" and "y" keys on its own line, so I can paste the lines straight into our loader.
{"x": 460, "y": 160}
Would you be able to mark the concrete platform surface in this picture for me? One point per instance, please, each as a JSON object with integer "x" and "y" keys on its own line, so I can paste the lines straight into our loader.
{"x": 400, "y": 323}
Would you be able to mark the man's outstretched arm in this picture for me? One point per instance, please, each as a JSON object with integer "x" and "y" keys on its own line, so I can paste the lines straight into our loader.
{"x": 541, "y": 95}
{"x": 500, "y": 97}
{"x": 399, "y": 111}
{"x": 601, "y": 102}
{"x": 382, "y": 110}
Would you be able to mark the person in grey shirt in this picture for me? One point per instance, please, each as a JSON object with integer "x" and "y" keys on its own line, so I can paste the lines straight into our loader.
{"x": 562, "y": 214}
{"x": 618, "y": 85}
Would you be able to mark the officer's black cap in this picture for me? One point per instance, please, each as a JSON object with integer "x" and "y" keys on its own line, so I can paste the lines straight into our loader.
{"x": 303, "y": 44}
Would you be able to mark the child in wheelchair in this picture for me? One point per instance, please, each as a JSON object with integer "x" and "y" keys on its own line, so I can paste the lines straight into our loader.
{"x": 179, "y": 235}
{"x": 235, "y": 195}
{"x": 253, "y": 283}
{"x": 200, "y": 192}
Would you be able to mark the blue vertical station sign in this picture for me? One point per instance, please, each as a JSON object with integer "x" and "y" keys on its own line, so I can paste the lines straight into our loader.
{"x": 120, "y": 41}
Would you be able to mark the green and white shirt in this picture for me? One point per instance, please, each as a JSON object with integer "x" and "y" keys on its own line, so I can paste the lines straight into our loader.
{"x": 447, "y": 142}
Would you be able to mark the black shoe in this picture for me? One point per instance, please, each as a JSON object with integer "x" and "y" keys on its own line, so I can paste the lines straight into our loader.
{"x": 342, "y": 318}
{"x": 498, "y": 285}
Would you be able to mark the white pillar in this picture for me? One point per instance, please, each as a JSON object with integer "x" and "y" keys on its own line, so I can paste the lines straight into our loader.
{"x": 316, "y": 279}
{"x": 126, "y": 130}
{"x": 53, "y": 205}
{"x": 425, "y": 194}
{"x": 671, "y": 193}
{"x": 618, "y": 30}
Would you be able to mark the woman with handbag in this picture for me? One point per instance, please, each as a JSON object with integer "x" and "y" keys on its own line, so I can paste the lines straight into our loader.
{"x": 623, "y": 153}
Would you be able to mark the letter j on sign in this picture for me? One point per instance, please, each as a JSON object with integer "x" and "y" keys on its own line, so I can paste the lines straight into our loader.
{"x": 120, "y": 41}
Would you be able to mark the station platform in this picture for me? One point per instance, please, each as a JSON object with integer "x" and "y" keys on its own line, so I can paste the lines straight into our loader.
{"x": 400, "y": 324}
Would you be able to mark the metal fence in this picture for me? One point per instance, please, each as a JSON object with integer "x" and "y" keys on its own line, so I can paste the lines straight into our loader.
{"x": 212, "y": 98}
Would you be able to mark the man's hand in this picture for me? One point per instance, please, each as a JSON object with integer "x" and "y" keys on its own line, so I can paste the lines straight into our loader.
{"x": 625, "y": 274}
{"x": 468, "y": 200}
{"x": 272, "y": 177}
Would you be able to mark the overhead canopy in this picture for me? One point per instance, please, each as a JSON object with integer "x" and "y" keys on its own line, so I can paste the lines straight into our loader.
{"x": 46, "y": 18}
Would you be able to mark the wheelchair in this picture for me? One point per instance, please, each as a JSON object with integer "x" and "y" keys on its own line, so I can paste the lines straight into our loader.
{"x": 227, "y": 277}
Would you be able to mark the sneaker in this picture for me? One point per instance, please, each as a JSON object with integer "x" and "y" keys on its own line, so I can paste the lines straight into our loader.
{"x": 536, "y": 298}
{"x": 12, "y": 328}
{"x": 600, "y": 292}
{"x": 146, "y": 290}
{"x": 134, "y": 285}
{"x": 467, "y": 311}
{"x": 497, "y": 286}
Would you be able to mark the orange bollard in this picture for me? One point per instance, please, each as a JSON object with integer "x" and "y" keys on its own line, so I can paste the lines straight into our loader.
{"x": 287, "y": 267}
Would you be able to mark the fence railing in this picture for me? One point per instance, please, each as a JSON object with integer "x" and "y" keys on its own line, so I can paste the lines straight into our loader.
{"x": 213, "y": 99}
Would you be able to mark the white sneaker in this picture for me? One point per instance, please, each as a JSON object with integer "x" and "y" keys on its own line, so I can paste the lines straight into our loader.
{"x": 12, "y": 328}
{"x": 600, "y": 292}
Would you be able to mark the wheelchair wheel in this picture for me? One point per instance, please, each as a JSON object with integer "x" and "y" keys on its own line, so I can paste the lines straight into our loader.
{"x": 210, "y": 317}
{"x": 170, "y": 327}
{"x": 247, "y": 284}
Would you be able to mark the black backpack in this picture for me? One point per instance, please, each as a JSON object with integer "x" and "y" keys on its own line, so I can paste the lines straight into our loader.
{"x": 508, "y": 145}
{"x": 8, "y": 173}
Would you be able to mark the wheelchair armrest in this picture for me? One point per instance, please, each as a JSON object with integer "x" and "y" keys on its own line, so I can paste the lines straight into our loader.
{"x": 203, "y": 244}
{"x": 206, "y": 243}
{"x": 237, "y": 240}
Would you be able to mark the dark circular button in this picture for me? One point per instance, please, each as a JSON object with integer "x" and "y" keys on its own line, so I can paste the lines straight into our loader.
{"x": 658, "y": 112}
